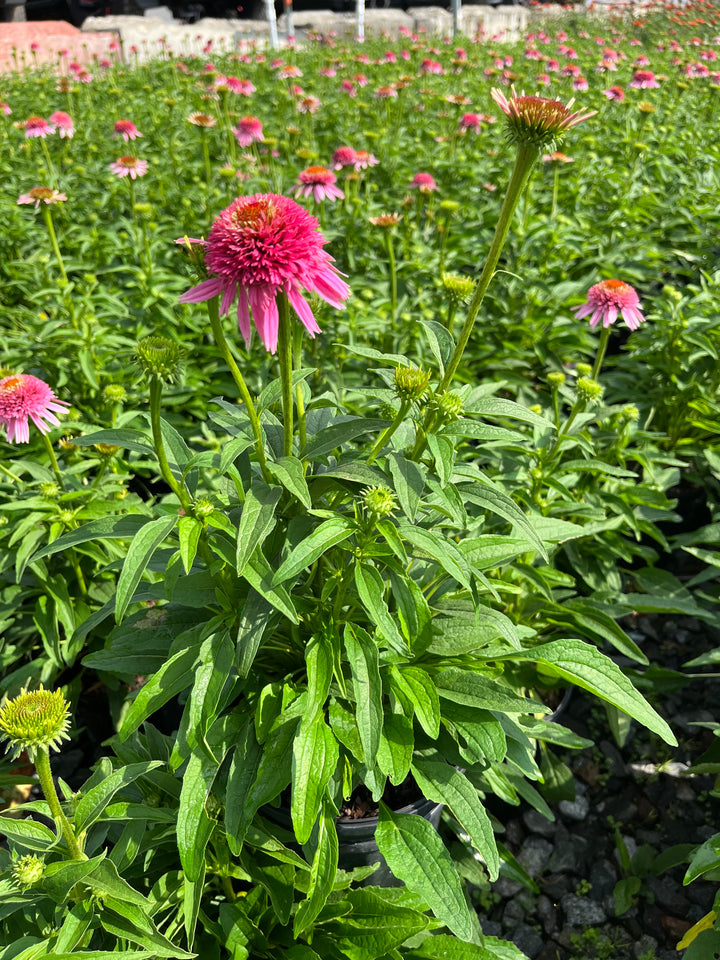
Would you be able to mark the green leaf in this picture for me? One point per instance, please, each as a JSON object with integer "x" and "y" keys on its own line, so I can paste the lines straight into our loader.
{"x": 105, "y": 881}
{"x": 340, "y": 432}
{"x": 27, "y": 833}
{"x": 491, "y": 498}
{"x": 94, "y": 802}
{"x": 129, "y": 925}
{"x": 259, "y": 574}
{"x": 371, "y": 588}
{"x": 705, "y": 858}
{"x": 444, "y": 784}
{"x": 319, "y": 664}
{"x": 395, "y": 749}
{"x": 128, "y": 439}
{"x": 323, "y": 871}
{"x": 241, "y": 777}
{"x": 73, "y": 930}
{"x": 143, "y": 546}
{"x": 479, "y": 735}
{"x": 477, "y": 690}
{"x": 443, "y": 551}
{"x": 290, "y": 473}
{"x": 256, "y": 521}
{"x": 416, "y": 855}
{"x": 189, "y": 530}
{"x": 586, "y": 667}
{"x": 444, "y": 947}
{"x": 409, "y": 482}
{"x": 60, "y": 877}
{"x": 363, "y": 658}
{"x": 254, "y": 620}
{"x": 315, "y": 757}
{"x": 322, "y": 539}
{"x": 373, "y": 927}
{"x": 106, "y": 528}
{"x": 418, "y": 691}
{"x": 498, "y": 407}
{"x": 440, "y": 342}
{"x": 194, "y": 826}
{"x": 174, "y": 676}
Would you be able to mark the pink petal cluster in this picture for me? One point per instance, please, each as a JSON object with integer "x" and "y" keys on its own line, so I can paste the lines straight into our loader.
{"x": 318, "y": 182}
{"x": 22, "y": 398}
{"x": 64, "y": 123}
{"x": 607, "y": 299}
{"x": 258, "y": 247}
{"x": 127, "y": 130}
{"x": 248, "y": 130}
{"x": 40, "y": 195}
{"x": 129, "y": 167}
{"x": 37, "y": 127}
{"x": 424, "y": 182}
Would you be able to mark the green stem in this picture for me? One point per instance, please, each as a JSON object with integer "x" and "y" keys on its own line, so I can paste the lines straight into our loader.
{"x": 299, "y": 400}
{"x": 286, "y": 370}
{"x": 206, "y": 155}
{"x": 525, "y": 160}
{"x": 393, "y": 277}
{"x": 556, "y": 183}
{"x": 50, "y": 164}
{"x": 53, "y": 460}
{"x": 224, "y": 348}
{"x": 42, "y": 765}
{"x": 386, "y": 434}
{"x": 600, "y": 355}
{"x": 47, "y": 216}
{"x": 155, "y": 406}
{"x": 9, "y": 474}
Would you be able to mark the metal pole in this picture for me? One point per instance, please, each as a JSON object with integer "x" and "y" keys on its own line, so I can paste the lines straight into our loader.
{"x": 289, "y": 19}
{"x": 456, "y": 5}
{"x": 360, "y": 12}
{"x": 272, "y": 22}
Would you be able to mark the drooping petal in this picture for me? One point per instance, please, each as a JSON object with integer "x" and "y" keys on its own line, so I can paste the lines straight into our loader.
{"x": 302, "y": 309}
{"x": 203, "y": 291}
{"x": 243, "y": 315}
{"x": 265, "y": 315}
{"x": 229, "y": 294}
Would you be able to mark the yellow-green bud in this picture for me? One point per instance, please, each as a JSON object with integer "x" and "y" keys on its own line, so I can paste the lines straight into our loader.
{"x": 378, "y": 502}
{"x": 536, "y": 408}
{"x": 458, "y": 289}
{"x": 143, "y": 210}
{"x": 449, "y": 207}
{"x": 34, "y": 720}
{"x": 114, "y": 393}
{"x": 630, "y": 412}
{"x": 28, "y": 870}
{"x": 50, "y": 489}
{"x": 449, "y": 406}
{"x": 589, "y": 390}
{"x": 583, "y": 369}
{"x": 556, "y": 378}
{"x": 672, "y": 293}
{"x": 66, "y": 517}
{"x": 202, "y": 508}
{"x": 106, "y": 449}
{"x": 159, "y": 358}
{"x": 411, "y": 383}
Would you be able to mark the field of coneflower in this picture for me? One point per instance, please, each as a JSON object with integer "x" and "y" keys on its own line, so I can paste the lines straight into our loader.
{"x": 274, "y": 512}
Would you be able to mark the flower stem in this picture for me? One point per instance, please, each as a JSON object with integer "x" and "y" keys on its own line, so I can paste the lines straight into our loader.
{"x": 525, "y": 160}
{"x": 386, "y": 434}
{"x": 393, "y": 277}
{"x": 42, "y": 765}
{"x": 600, "y": 355}
{"x": 9, "y": 474}
{"x": 50, "y": 164}
{"x": 224, "y": 348}
{"x": 286, "y": 371}
{"x": 155, "y": 405}
{"x": 299, "y": 400}
{"x": 47, "y": 216}
{"x": 53, "y": 460}
{"x": 206, "y": 155}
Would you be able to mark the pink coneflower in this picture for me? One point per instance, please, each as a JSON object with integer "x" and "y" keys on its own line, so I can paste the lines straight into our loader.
{"x": 537, "y": 120}
{"x": 343, "y": 157}
{"x": 644, "y": 80}
{"x": 363, "y": 160}
{"x": 349, "y": 88}
{"x": 127, "y": 130}
{"x": 308, "y": 105}
{"x": 23, "y": 398}
{"x": 289, "y": 71}
{"x": 318, "y": 182}
{"x": 40, "y": 195}
{"x": 249, "y": 130}
{"x": 470, "y": 121}
{"x": 5, "y": 108}
{"x": 615, "y": 93}
{"x": 557, "y": 157}
{"x": 431, "y": 66}
{"x": 129, "y": 167}
{"x": 605, "y": 65}
{"x": 37, "y": 127}
{"x": 386, "y": 92}
{"x": 258, "y": 247}
{"x": 642, "y": 61}
{"x": 607, "y": 299}
{"x": 360, "y": 79}
{"x": 198, "y": 119}
{"x": 571, "y": 70}
{"x": 63, "y": 122}
{"x": 386, "y": 220}
{"x": 542, "y": 79}
{"x": 580, "y": 83}
{"x": 243, "y": 88}
{"x": 424, "y": 182}
{"x": 390, "y": 56}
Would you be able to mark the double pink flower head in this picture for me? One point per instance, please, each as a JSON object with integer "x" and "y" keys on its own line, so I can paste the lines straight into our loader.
{"x": 259, "y": 247}
{"x": 23, "y": 398}
{"x": 608, "y": 299}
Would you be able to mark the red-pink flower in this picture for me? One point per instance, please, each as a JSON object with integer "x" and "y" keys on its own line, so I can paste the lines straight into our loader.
{"x": 470, "y": 121}
{"x": 242, "y": 87}
{"x": 424, "y": 182}
{"x": 537, "y": 120}
{"x": 5, "y": 108}
{"x": 248, "y": 130}
{"x": 644, "y": 80}
{"x": 363, "y": 160}
{"x": 129, "y": 167}
{"x": 607, "y": 299}
{"x": 23, "y": 398}
{"x": 615, "y": 93}
{"x": 318, "y": 182}
{"x": 343, "y": 157}
{"x": 40, "y": 195}
{"x": 258, "y": 247}
{"x": 308, "y": 105}
{"x": 127, "y": 130}
{"x": 37, "y": 127}
{"x": 63, "y": 122}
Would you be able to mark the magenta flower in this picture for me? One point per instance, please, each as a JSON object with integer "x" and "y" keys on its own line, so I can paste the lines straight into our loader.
{"x": 5, "y": 108}
{"x": 129, "y": 167}
{"x": 318, "y": 182}
{"x": 242, "y": 87}
{"x": 363, "y": 160}
{"x": 537, "y": 120}
{"x": 127, "y": 130}
{"x": 40, "y": 195}
{"x": 37, "y": 127}
{"x": 644, "y": 80}
{"x": 343, "y": 157}
{"x": 308, "y": 105}
{"x": 64, "y": 123}
{"x": 615, "y": 93}
{"x": 470, "y": 121}
{"x": 258, "y": 247}
{"x": 248, "y": 130}
{"x": 607, "y": 299}
{"x": 424, "y": 182}
{"x": 24, "y": 397}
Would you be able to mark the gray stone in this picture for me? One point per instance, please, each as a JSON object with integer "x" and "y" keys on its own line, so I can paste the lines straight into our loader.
{"x": 491, "y": 929}
{"x": 603, "y": 878}
{"x": 534, "y": 855}
{"x": 547, "y": 913}
{"x": 527, "y": 939}
{"x": 513, "y": 914}
{"x": 506, "y": 887}
{"x": 564, "y": 858}
{"x": 614, "y": 758}
{"x": 514, "y": 833}
{"x": 582, "y": 912}
{"x": 576, "y": 809}
{"x": 669, "y": 895}
{"x": 537, "y": 823}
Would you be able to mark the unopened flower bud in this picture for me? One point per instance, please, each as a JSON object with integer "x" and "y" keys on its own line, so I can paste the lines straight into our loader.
{"x": 536, "y": 408}
{"x": 411, "y": 383}
{"x": 65, "y": 443}
{"x": 378, "y": 502}
{"x": 459, "y": 289}
{"x": 28, "y": 870}
{"x": 106, "y": 449}
{"x": 450, "y": 406}
{"x": 449, "y": 207}
{"x": 672, "y": 293}
{"x": 589, "y": 390}
{"x": 202, "y": 508}
{"x": 630, "y": 412}
{"x": 556, "y": 378}
{"x": 67, "y": 517}
{"x": 33, "y": 720}
{"x": 50, "y": 490}
{"x": 159, "y": 358}
{"x": 583, "y": 369}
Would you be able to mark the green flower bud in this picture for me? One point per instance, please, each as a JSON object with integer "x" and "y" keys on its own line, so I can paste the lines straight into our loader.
{"x": 449, "y": 406}
{"x": 556, "y": 378}
{"x": 411, "y": 383}
{"x": 143, "y": 210}
{"x": 50, "y": 490}
{"x": 589, "y": 390}
{"x": 583, "y": 369}
{"x": 536, "y": 408}
{"x": 449, "y": 207}
{"x": 159, "y": 358}
{"x": 106, "y": 449}
{"x": 28, "y": 870}
{"x": 458, "y": 289}
{"x": 630, "y": 412}
{"x": 378, "y": 502}
{"x": 66, "y": 517}
{"x": 33, "y": 720}
{"x": 202, "y": 508}
{"x": 672, "y": 293}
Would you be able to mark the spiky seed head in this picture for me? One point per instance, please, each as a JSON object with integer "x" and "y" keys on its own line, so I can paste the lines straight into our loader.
{"x": 630, "y": 412}
{"x": 378, "y": 502}
{"x": 556, "y": 378}
{"x": 411, "y": 383}
{"x": 459, "y": 289}
{"x": 34, "y": 720}
{"x": 28, "y": 870}
{"x": 159, "y": 358}
{"x": 450, "y": 406}
{"x": 202, "y": 508}
{"x": 589, "y": 390}
{"x": 583, "y": 369}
